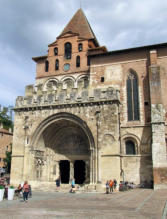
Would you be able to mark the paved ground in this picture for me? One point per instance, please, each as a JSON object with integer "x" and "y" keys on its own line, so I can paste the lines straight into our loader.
{"x": 138, "y": 203}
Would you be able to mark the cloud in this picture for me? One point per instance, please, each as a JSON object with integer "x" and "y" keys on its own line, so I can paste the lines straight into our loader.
{"x": 29, "y": 26}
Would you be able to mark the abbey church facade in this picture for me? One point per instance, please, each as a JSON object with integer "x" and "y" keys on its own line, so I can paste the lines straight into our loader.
{"x": 93, "y": 115}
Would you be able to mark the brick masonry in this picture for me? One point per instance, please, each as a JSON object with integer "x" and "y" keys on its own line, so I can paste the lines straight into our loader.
{"x": 87, "y": 106}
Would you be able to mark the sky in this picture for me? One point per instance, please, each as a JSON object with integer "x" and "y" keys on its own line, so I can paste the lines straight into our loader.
{"x": 27, "y": 27}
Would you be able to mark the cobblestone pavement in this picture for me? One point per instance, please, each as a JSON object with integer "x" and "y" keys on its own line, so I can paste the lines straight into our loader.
{"x": 138, "y": 203}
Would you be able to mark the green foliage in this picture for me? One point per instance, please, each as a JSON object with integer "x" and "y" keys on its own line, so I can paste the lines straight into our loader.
{"x": 11, "y": 187}
{"x": 5, "y": 120}
{"x": 1, "y": 187}
{"x": 7, "y": 161}
{"x": 7, "y": 123}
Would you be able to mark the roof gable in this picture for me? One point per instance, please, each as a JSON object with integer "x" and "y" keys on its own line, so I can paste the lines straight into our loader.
{"x": 80, "y": 25}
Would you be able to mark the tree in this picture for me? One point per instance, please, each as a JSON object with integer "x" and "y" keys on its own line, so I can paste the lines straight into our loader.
{"x": 7, "y": 123}
{"x": 5, "y": 120}
{"x": 7, "y": 161}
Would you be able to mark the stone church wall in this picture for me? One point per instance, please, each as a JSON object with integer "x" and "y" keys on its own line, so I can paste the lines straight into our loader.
{"x": 100, "y": 114}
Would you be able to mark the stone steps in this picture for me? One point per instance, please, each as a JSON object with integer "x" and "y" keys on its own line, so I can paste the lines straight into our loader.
{"x": 64, "y": 188}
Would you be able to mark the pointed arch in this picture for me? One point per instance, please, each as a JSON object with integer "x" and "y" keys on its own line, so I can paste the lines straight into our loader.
{"x": 58, "y": 117}
{"x": 132, "y": 96}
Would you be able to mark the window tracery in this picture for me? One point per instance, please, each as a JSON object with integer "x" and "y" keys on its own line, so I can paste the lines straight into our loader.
{"x": 132, "y": 96}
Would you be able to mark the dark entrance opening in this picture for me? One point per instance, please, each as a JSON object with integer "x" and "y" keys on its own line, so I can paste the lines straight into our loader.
{"x": 79, "y": 171}
{"x": 64, "y": 171}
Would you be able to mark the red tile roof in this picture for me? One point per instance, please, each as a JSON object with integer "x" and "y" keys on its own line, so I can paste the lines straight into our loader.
{"x": 80, "y": 25}
{"x": 2, "y": 130}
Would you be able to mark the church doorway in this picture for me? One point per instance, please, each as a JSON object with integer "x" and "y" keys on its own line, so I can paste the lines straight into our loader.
{"x": 66, "y": 145}
{"x": 64, "y": 171}
{"x": 79, "y": 171}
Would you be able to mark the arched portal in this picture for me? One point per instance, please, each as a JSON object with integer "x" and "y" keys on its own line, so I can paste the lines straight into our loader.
{"x": 63, "y": 144}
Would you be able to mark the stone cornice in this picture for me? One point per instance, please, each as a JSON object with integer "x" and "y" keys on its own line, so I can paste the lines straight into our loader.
{"x": 65, "y": 105}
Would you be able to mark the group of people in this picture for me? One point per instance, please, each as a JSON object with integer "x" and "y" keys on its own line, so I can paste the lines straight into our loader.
{"x": 58, "y": 181}
{"x": 25, "y": 190}
{"x": 111, "y": 186}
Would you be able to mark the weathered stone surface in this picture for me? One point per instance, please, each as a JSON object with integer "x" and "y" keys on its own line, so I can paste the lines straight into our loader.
{"x": 81, "y": 114}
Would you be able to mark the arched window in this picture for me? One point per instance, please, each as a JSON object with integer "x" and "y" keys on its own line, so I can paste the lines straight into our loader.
{"x": 46, "y": 66}
{"x": 130, "y": 147}
{"x": 132, "y": 96}
{"x": 78, "y": 61}
{"x": 56, "y": 51}
{"x": 67, "y": 50}
{"x": 80, "y": 47}
{"x": 57, "y": 64}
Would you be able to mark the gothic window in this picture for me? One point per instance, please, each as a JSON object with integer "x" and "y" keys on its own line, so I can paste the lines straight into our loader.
{"x": 78, "y": 61}
{"x": 46, "y": 66}
{"x": 80, "y": 47}
{"x": 57, "y": 64}
{"x": 130, "y": 147}
{"x": 67, "y": 50}
{"x": 132, "y": 96}
{"x": 56, "y": 51}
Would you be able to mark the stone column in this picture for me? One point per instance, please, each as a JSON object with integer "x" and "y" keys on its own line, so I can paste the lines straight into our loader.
{"x": 57, "y": 169}
{"x": 71, "y": 170}
{"x": 91, "y": 166}
{"x": 94, "y": 160}
{"x": 87, "y": 171}
{"x": 99, "y": 166}
{"x": 98, "y": 152}
{"x": 26, "y": 150}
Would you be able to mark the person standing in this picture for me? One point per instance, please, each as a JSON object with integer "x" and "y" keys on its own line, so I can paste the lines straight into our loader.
{"x": 73, "y": 186}
{"x": 111, "y": 185}
{"x": 30, "y": 192}
{"x": 58, "y": 183}
{"x": 107, "y": 187}
{"x": 115, "y": 184}
{"x": 25, "y": 191}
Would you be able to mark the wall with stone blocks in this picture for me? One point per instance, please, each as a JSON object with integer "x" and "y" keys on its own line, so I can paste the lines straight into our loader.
{"x": 110, "y": 166}
{"x": 137, "y": 169}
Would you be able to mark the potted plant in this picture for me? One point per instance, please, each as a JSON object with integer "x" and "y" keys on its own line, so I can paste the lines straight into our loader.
{"x": 11, "y": 191}
{"x": 2, "y": 190}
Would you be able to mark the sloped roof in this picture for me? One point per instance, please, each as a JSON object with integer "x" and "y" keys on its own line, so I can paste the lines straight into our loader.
{"x": 80, "y": 25}
{"x": 2, "y": 130}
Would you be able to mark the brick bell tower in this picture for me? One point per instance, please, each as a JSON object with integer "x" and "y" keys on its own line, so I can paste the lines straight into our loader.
{"x": 69, "y": 53}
